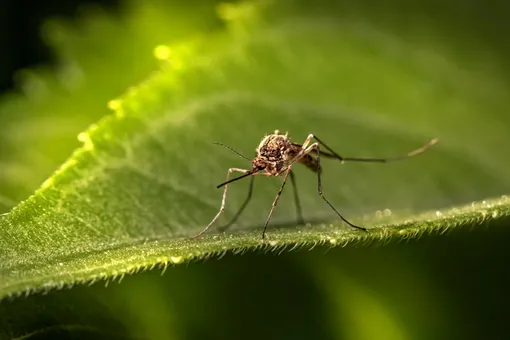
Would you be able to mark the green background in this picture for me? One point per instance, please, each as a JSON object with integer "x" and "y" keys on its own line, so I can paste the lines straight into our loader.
{"x": 397, "y": 74}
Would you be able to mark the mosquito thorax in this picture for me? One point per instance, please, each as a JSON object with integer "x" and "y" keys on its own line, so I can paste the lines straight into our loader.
{"x": 274, "y": 147}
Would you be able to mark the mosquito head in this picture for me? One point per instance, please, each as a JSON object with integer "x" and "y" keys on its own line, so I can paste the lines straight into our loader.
{"x": 274, "y": 153}
{"x": 259, "y": 164}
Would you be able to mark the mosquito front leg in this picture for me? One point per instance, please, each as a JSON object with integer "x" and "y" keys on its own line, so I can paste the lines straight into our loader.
{"x": 316, "y": 147}
{"x": 224, "y": 199}
{"x": 241, "y": 209}
{"x": 275, "y": 202}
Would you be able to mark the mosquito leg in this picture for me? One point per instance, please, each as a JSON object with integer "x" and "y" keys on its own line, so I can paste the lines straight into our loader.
{"x": 222, "y": 208}
{"x": 241, "y": 209}
{"x": 307, "y": 141}
{"x": 327, "y": 148}
{"x": 413, "y": 153}
{"x": 300, "y": 219}
{"x": 275, "y": 202}
{"x": 315, "y": 146}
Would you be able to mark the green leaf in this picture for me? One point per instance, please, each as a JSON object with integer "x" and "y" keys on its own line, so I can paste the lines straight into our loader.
{"x": 144, "y": 179}
{"x": 99, "y": 56}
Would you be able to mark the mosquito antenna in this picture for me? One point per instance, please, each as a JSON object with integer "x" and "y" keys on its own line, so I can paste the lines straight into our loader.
{"x": 231, "y": 149}
{"x": 237, "y": 178}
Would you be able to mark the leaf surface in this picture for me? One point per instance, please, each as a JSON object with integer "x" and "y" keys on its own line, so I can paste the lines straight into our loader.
{"x": 144, "y": 179}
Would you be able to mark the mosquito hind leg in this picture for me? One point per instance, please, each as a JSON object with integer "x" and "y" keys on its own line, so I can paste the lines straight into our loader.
{"x": 223, "y": 201}
{"x": 410, "y": 154}
{"x": 316, "y": 147}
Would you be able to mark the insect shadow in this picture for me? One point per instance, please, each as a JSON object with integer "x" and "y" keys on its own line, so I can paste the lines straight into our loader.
{"x": 276, "y": 155}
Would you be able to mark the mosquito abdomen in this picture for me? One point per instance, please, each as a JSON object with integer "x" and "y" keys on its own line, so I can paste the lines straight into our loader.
{"x": 311, "y": 163}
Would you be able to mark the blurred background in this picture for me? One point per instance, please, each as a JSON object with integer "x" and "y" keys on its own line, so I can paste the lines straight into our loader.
{"x": 451, "y": 286}
{"x": 20, "y": 33}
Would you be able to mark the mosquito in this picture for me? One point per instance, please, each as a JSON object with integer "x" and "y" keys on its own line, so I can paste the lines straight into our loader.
{"x": 276, "y": 155}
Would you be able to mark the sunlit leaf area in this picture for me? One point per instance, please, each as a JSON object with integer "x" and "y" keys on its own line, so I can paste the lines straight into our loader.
{"x": 111, "y": 154}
